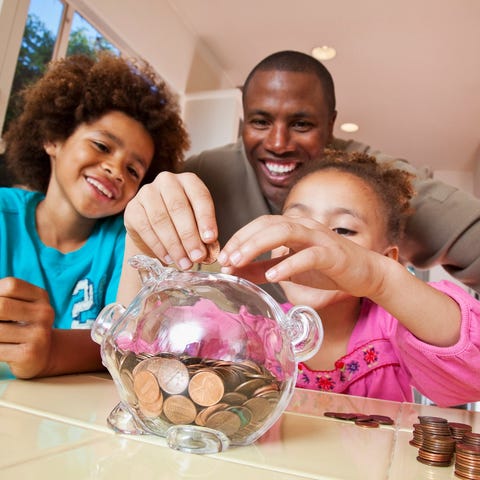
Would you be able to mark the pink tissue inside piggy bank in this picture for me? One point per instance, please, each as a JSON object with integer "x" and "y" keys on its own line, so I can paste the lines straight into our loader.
{"x": 206, "y": 331}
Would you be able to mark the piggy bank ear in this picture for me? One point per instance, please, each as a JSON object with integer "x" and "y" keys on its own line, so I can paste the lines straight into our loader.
{"x": 107, "y": 317}
{"x": 305, "y": 329}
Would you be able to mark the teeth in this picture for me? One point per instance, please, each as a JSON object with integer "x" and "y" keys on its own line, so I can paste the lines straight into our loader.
{"x": 100, "y": 187}
{"x": 280, "y": 167}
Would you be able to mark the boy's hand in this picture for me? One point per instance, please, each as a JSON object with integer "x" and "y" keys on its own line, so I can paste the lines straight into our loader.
{"x": 26, "y": 327}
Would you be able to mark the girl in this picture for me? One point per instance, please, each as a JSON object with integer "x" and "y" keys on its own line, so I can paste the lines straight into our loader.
{"x": 90, "y": 134}
{"x": 336, "y": 249}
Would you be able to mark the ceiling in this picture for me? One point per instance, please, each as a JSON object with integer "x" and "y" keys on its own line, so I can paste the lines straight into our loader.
{"x": 406, "y": 71}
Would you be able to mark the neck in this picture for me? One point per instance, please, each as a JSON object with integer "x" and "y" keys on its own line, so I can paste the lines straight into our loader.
{"x": 338, "y": 320}
{"x": 59, "y": 227}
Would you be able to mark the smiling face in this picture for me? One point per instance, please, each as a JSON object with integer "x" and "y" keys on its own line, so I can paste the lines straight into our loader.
{"x": 286, "y": 125}
{"x": 347, "y": 205}
{"x": 98, "y": 169}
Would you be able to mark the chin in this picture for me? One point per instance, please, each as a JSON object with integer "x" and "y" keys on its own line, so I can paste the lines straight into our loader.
{"x": 312, "y": 297}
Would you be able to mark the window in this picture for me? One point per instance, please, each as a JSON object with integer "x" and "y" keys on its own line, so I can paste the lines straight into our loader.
{"x": 53, "y": 29}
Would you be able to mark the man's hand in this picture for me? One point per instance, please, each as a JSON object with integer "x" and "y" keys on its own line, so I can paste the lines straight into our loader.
{"x": 173, "y": 219}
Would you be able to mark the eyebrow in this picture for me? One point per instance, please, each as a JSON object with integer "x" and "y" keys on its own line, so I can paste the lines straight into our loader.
{"x": 334, "y": 211}
{"x": 259, "y": 111}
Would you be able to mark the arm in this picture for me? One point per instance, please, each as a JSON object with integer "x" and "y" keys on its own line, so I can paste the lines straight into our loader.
{"x": 28, "y": 342}
{"x": 319, "y": 258}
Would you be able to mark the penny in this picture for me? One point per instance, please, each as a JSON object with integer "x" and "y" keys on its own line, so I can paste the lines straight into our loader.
{"x": 172, "y": 375}
{"x": 146, "y": 387}
{"x": 203, "y": 415}
{"x": 244, "y": 414}
{"x": 366, "y": 423}
{"x": 382, "y": 419}
{"x": 248, "y": 387}
{"x": 206, "y": 388}
{"x": 234, "y": 398}
{"x": 179, "y": 410}
{"x": 225, "y": 421}
{"x": 260, "y": 408}
{"x": 213, "y": 249}
{"x": 152, "y": 410}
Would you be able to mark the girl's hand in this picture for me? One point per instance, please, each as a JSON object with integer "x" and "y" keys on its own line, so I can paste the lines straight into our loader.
{"x": 310, "y": 254}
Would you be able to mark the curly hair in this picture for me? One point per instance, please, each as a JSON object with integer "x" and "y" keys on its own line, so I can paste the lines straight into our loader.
{"x": 78, "y": 90}
{"x": 392, "y": 186}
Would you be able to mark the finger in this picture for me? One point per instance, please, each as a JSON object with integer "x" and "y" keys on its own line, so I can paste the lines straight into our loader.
{"x": 38, "y": 311}
{"x": 203, "y": 207}
{"x": 141, "y": 232}
{"x": 16, "y": 288}
{"x": 173, "y": 219}
{"x": 243, "y": 240}
{"x": 150, "y": 225}
{"x": 273, "y": 233}
{"x": 255, "y": 272}
{"x": 314, "y": 267}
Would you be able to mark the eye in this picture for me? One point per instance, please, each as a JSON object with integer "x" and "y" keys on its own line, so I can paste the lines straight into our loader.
{"x": 133, "y": 172}
{"x": 101, "y": 146}
{"x": 302, "y": 125}
{"x": 345, "y": 232}
{"x": 259, "y": 123}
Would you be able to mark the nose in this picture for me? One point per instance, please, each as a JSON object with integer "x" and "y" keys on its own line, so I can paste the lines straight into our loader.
{"x": 114, "y": 169}
{"x": 278, "y": 140}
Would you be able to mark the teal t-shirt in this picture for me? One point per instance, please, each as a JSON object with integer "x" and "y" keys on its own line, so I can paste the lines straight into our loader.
{"x": 79, "y": 283}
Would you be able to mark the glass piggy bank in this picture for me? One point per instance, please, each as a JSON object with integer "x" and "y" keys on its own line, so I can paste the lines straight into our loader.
{"x": 206, "y": 360}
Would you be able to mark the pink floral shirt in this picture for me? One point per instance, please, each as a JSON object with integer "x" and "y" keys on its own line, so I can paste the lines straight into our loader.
{"x": 385, "y": 360}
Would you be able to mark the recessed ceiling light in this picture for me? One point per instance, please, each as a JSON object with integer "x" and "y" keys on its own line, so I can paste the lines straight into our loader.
{"x": 324, "y": 53}
{"x": 349, "y": 127}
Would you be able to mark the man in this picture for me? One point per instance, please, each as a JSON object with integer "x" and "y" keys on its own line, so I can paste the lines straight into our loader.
{"x": 289, "y": 113}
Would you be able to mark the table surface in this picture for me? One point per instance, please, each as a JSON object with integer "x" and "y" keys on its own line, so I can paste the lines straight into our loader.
{"x": 56, "y": 428}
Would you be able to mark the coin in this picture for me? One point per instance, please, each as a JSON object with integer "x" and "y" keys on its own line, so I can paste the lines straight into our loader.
{"x": 152, "y": 410}
{"x": 172, "y": 374}
{"x": 146, "y": 387}
{"x": 225, "y": 421}
{"x": 366, "y": 423}
{"x": 213, "y": 249}
{"x": 206, "y": 388}
{"x": 260, "y": 408}
{"x": 179, "y": 410}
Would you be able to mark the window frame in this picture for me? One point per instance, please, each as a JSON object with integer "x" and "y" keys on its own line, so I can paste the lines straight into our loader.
{"x": 13, "y": 17}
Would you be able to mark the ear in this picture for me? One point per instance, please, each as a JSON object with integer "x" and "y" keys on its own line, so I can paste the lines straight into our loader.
{"x": 392, "y": 252}
{"x": 331, "y": 123}
{"x": 50, "y": 148}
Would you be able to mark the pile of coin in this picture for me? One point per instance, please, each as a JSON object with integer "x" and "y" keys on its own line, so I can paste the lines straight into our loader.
{"x": 361, "y": 419}
{"x": 434, "y": 440}
{"x": 467, "y": 457}
{"x": 439, "y": 441}
{"x": 233, "y": 397}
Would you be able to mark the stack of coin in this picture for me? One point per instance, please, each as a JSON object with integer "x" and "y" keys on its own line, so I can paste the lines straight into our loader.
{"x": 459, "y": 429}
{"x": 436, "y": 450}
{"x": 467, "y": 461}
{"x": 416, "y": 441}
{"x": 233, "y": 397}
{"x": 434, "y": 440}
{"x": 471, "y": 438}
